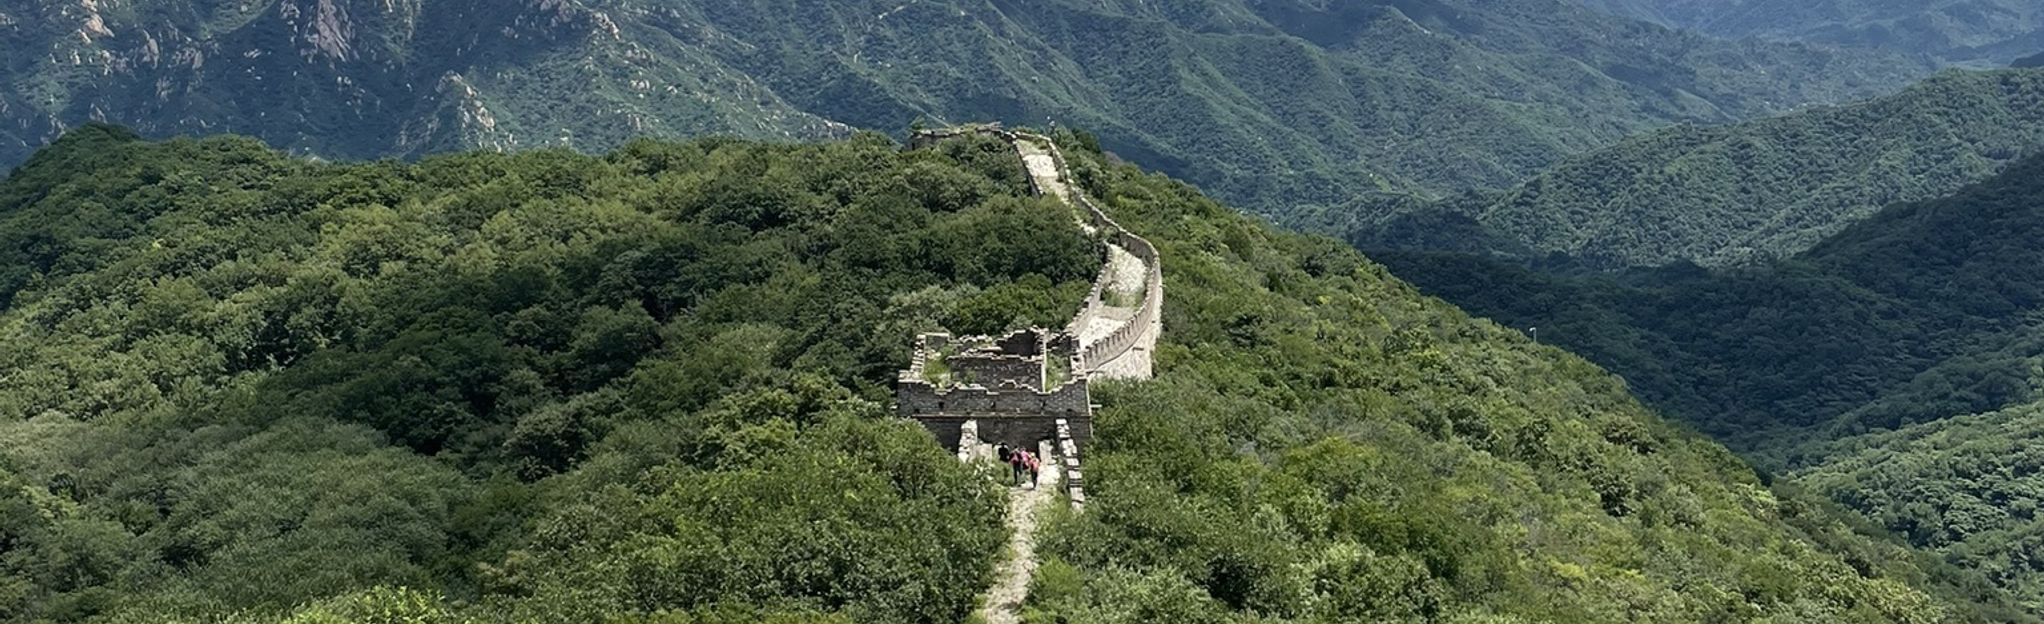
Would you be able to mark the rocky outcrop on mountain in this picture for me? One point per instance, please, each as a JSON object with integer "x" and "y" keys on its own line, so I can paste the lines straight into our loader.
{"x": 1280, "y": 106}
{"x": 362, "y": 78}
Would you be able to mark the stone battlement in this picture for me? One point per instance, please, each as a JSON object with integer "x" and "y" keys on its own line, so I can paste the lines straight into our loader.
{"x": 1034, "y": 386}
{"x": 1019, "y": 359}
{"x": 924, "y": 138}
{"x": 987, "y": 378}
{"x": 1125, "y": 353}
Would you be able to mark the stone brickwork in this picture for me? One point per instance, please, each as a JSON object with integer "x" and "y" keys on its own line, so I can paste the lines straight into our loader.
{"x": 919, "y": 400}
{"x": 926, "y": 138}
{"x": 990, "y": 429}
{"x": 1002, "y": 374}
{"x": 1068, "y": 450}
{"x": 999, "y": 371}
{"x": 977, "y": 391}
{"x": 1126, "y": 353}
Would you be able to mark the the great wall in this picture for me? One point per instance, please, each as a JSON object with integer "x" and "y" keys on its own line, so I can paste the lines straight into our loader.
{"x": 1031, "y": 389}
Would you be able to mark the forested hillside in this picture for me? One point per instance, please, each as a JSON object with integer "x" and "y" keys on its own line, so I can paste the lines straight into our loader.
{"x": 1273, "y": 105}
{"x": 1968, "y": 487}
{"x": 556, "y": 387}
{"x": 1975, "y": 32}
{"x": 243, "y": 381}
{"x": 1735, "y": 194}
{"x": 1923, "y": 312}
{"x": 1929, "y": 300}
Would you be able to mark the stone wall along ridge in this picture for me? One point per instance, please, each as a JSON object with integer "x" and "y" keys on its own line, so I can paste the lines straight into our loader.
{"x": 1010, "y": 410}
{"x": 1146, "y": 324}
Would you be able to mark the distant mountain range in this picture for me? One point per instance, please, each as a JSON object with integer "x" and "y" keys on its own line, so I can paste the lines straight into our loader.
{"x": 1732, "y": 194}
{"x": 1920, "y": 313}
{"x": 1826, "y": 339}
{"x": 1967, "y": 32}
{"x": 1279, "y": 106}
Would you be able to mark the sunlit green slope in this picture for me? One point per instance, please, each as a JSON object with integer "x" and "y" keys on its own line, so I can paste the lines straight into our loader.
{"x": 555, "y": 387}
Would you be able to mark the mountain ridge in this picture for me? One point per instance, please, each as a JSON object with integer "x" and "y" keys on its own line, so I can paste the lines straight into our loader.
{"x": 1737, "y": 194}
{"x": 378, "y": 348}
{"x": 1978, "y": 33}
{"x": 1840, "y": 365}
{"x": 1209, "y": 91}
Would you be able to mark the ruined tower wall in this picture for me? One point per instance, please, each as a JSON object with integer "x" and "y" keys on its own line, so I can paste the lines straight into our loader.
{"x": 997, "y": 371}
{"x": 915, "y": 398}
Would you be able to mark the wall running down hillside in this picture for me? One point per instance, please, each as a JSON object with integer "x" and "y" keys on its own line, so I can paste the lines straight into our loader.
{"x": 1115, "y": 342}
{"x": 1001, "y": 390}
{"x": 1126, "y": 352}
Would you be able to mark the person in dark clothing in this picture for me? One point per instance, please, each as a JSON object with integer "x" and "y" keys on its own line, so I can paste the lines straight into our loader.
{"x": 1019, "y": 462}
{"x": 1007, "y": 456}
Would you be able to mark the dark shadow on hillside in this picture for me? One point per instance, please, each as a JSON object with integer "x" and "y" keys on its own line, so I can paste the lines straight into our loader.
{"x": 1923, "y": 312}
{"x": 1415, "y": 226}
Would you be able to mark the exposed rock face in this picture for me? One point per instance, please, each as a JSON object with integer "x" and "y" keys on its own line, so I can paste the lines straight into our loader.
{"x": 94, "y": 25}
{"x": 362, "y": 78}
{"x": 325, "y": 28}
{"x": 1293, "y": 105}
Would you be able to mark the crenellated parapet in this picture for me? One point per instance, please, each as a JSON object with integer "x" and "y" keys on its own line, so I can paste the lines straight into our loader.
{"x": 1124, "y": 353}
{"x": 918, "y": 399}
{"x": 1033, "y": 387}
{"x": 1011, "y": 373}
{"x": 927, "y": 137}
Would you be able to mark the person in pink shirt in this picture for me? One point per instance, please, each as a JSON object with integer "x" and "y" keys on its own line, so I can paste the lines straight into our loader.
{"x": 1021, "y": 460}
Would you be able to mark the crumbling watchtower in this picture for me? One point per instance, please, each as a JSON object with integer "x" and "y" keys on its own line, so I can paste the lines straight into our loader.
{"x": 1011, "y": 389}
{"x": 1030, "y": 389}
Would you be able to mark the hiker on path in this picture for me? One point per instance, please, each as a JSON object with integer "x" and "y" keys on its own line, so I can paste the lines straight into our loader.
{"x": 1008, "y": 457}
{"x": 1025, "y": 461}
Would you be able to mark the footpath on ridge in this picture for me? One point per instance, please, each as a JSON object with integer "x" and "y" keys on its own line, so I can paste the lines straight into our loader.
{"x": 1002, "y": 603}
{"x": 1112, "y": 337}
{"x": 1122, "y": 318}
